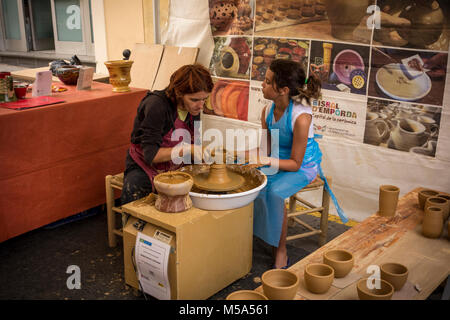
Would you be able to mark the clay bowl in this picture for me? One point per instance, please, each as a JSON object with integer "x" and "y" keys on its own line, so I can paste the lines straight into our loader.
{"x": 384, "y": 293}
{"x": 246, "y": 295}
{"x": 173, "y": 183}
{"x": 394, "y": 273}
{"x": 340, "y": 260}
{"x": 424, "y": 194}
{"x": 280, "y": 284}
{"x": 68, "y": 74}
{"x": 318, "y": 277}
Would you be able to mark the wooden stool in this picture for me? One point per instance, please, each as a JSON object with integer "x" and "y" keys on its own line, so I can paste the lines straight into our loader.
{"x": 113, "y": 182}
{"x": 292, "y": 214}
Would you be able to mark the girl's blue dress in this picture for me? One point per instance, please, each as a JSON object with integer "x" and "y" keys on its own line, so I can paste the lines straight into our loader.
{"x": 269, "y": 205}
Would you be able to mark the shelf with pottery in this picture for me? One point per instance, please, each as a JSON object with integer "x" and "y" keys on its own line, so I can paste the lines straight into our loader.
{"x": 378, "y": 240}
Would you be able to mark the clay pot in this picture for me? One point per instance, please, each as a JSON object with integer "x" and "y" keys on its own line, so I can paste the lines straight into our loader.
{"x": 394, "y": 273}
{"x": 432, "y": 222}
{"x": 384, "y": 293}
{"x": 246, "y": 295}
{"x": 445, "y": 213}
{"x": 388, "y": 200}
{"x": 173, "y": 191}
{"x": 318, "y": 277}
{"x": 280, "y": 284}
{"x": 439, "y": 202}
{"x": 173, "y": 183}
{"x": 340, "y": 260}
{"x": 427, "y": 22}
{"x": 345, "y": 16}
{"x": 424, "y": 194}
{"x": 119, "y": 74}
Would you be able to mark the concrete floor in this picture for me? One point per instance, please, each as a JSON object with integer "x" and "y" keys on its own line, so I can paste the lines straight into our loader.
{"x": 33, "y": 265}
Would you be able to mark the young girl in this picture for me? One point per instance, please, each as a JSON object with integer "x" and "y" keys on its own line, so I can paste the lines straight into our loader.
{"x": 293, "y": 149}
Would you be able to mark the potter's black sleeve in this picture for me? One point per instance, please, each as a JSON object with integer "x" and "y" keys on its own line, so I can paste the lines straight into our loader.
{"x": 154, "y": 118}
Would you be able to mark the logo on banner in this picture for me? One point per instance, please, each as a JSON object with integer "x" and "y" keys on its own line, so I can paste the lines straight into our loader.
{"x": 331, "y": 108}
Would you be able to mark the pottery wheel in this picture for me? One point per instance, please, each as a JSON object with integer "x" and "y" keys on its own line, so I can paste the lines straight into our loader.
{"x": 218, "y": 179}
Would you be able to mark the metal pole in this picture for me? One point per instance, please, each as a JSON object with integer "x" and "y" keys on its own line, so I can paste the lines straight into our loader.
{"x": 156, "y": 31}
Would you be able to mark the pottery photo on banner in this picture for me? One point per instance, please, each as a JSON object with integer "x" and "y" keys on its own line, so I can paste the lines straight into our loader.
{"x": 377, "y": 129}
{"x": 345, "y": 16}
{"x": 388, "y": 200}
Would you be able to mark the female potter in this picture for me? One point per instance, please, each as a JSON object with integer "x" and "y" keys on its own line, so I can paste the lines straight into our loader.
{"x": 158, "y": 115}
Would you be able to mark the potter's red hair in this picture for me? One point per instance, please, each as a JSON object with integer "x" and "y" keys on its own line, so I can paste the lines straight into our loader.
{"x": 191, "y": 78}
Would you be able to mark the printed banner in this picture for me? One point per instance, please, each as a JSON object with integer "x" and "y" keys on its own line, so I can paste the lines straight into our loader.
{"x": 373, "y": 57}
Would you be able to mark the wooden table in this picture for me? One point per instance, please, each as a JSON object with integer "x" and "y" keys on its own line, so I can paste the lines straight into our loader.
{"x": 54, "y": 159}
{"x": 30, "y": 75}
{"x": 380, "y": 239}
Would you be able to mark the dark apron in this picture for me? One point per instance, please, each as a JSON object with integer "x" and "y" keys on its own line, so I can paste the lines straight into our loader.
{"x": 152, "y": 170}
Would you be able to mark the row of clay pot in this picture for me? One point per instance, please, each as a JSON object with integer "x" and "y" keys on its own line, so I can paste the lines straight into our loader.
{"x": 436, "y": 208}
{"x": 393, "y": 277}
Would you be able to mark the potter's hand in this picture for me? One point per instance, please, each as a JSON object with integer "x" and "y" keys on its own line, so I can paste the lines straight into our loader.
{"x": 187, "y": 152}
{"x": 259, "y": 161}
{"x": 437, "y": 65}
{"x": 388, "y": 34}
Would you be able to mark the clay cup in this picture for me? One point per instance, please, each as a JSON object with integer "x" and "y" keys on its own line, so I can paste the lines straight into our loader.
{"x": 246, "y": 295}
{"x": 280, "y": 284}
{"x": 424, "y": 194}
{"x": 446, "y": 212}
{"x": 384, "y": 293}
{"x": 439, "y": 202}
{"x": 388, "y": 200}
{"x": 340, "y": 260}
{"x": 394, "y": 273}
{"x": 318, "y": 277}
{"x": 432, "y": 222}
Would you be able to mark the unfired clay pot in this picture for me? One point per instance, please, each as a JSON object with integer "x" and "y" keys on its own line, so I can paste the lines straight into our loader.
{"x": 280, "y": 284}
{"x": 439, "y": 202}
{"x": 318, "y": 277}
{"x": 394, "y": 273}
{"x": 173, "y": 191}
{"x": 388, "y": 200}
{"x": 340, "y": 260}
{"x": 345, "y": 16}
{"x": 384, "y": 293}
{"x": 445, "y": 213}
{"x": 424, "y": 194}
{"x": 432, "y": 222}
{"x": 246, "y": 295}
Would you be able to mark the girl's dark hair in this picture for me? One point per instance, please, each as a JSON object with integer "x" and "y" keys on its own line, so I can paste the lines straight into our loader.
{"x": 289, "y": 73}
{"x": 191, "y": 78}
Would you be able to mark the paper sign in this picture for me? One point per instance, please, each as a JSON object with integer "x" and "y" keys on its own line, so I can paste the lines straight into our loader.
{"x": 85, "y": 77}
{"x": 42, "y": 86}
{"x": 152, "y": 257}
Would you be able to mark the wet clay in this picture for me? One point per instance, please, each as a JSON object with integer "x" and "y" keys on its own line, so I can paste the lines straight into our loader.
{"x": 252, "y": 177}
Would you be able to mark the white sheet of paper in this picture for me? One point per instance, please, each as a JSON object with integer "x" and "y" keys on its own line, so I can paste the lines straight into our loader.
{"x": 152, "y": 257}
{"x": 84, "y": 81}
{"x": 42, "y": 86}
